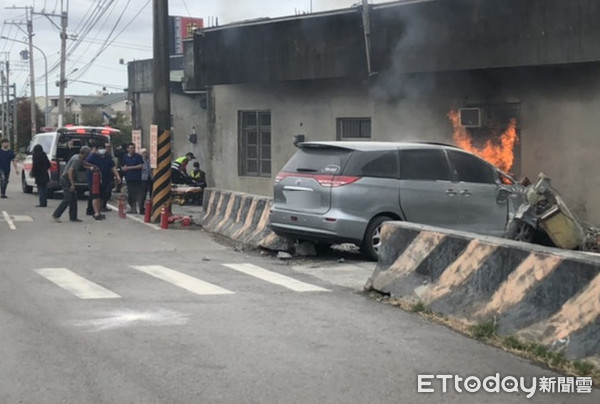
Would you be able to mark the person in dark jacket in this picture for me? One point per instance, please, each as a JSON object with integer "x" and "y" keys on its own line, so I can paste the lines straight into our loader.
{"x": 39, "y": 171}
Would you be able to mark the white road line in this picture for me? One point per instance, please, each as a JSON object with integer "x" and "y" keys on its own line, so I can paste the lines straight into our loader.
{"x": 8, "y": 220}
{"x": 182, "y": 280}
{"x": 137, "y": 219}
{"x": 275, "y": 278}
{"x": 77, "y": 285}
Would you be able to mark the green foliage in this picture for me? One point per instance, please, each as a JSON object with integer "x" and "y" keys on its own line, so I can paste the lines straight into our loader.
{"x": 24, "y": 122}
{"x": 486, "y": 329}
{"x": 514, "y": 343}
{"x": 121, "y": 122}
{"x": 91, "y": 117}
{"x": 584, "y": 368}
{"x": 419, "y": 307}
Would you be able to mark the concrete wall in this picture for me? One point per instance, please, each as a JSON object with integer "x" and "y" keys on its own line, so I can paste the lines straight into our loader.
{"x": 558, "y": 120}
{"x": 186, "y": 112}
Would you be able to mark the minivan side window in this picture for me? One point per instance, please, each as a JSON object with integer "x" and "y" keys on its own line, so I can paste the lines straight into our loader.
{"x": 379, "y": 164}
{"x": 468, "y": 168}
{"x": 424, "y": 165}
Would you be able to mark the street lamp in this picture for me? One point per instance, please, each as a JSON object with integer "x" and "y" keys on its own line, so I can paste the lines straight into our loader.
{"x": 46, "y": 110}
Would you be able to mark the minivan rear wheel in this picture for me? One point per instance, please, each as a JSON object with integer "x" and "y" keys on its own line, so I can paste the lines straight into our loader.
{"x": 26, "y": 188}
{"x": 372, "y": 241}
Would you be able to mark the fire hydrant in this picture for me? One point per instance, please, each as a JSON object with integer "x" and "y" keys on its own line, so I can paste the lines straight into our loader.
{"x": 122, "y": 207}
{"x": 147, "y": 211}
{"x": 164, "y": 218}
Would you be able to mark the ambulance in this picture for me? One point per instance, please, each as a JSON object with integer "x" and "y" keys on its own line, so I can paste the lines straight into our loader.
{"x": 60, "y": 145}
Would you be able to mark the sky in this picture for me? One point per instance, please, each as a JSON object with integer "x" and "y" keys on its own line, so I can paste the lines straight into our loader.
{"x": 104, "y": 33}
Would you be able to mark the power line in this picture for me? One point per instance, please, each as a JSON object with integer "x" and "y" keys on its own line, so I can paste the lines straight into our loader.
{"x": 118, "y": 34}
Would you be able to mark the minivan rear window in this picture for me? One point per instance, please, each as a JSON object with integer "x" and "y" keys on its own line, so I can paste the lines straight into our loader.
{"x": 322, "y": 160}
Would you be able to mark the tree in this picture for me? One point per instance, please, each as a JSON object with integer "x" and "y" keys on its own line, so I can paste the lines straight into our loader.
{"x": 91, "y": 116}
{"x": 24, "y": 121}
{"x": 121, "y": 122}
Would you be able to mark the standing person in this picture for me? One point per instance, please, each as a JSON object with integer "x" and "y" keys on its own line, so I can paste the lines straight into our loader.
{"x": 119, "y": 153}
{"x": 107, "y": 171}
{"x": 39, "y": 171}
{"x": 113, "y": 181}
{"x": 146, "y": 174}
{"x": 132, "y": 165}
{"x": 89, "y": 175}
{"x": 6, "y": 157}
{"x": 67, "y": 182}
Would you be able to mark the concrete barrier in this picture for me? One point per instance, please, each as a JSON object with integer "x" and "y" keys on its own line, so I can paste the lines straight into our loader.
{"x": 241, "y": 217}
{"x": 541, "y": 294}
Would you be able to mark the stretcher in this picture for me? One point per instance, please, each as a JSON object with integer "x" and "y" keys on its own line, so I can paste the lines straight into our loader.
{"x": 187, "y": 195}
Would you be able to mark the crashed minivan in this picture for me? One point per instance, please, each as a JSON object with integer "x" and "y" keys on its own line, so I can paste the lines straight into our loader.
{"x": 342, "y": 191}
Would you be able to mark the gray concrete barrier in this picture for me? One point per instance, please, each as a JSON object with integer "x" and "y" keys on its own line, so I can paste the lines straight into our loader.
{"x": 241, "y": 217}
{"x": 540, "y": 294}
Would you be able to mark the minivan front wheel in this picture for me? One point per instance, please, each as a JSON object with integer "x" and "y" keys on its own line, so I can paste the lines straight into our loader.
{"x": 372, "y": 241}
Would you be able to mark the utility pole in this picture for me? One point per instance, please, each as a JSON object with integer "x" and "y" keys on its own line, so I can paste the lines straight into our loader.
{"x": 7, "y": 114}
{"x": 64, "y": 15}
{"x": 62, "y": 84}
{"x": 14, "y": 87}
{"x": 161, "y": 187}
{"x": 28, "y": 11}
{"x": 3, "y": 106}
{"x": 29, "y": 23}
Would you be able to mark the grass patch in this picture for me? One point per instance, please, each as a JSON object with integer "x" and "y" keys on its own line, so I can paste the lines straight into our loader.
{"x": 584, "y": 368}
{"x": 514, "y": 343}
{"x": 484, "y": 330}
{"x": 419, "y": 307}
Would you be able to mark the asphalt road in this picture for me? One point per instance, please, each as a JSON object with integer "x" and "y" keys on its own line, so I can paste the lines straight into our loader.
{"x": 118, "y": 312}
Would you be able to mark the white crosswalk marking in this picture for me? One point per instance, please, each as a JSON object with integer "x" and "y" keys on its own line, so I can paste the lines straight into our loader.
{"x": 275, "y": 278}
{"x": 80, "y": 287}
{"x": 182, "y": 280}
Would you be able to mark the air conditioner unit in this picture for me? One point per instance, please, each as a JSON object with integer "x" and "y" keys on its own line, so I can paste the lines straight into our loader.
{"x": 470, "y": 117}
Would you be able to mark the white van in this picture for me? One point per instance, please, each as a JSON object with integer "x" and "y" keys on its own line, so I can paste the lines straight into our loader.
{"x": 60, "y": 146}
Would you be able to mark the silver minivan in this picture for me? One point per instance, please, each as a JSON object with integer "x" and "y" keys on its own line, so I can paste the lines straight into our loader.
{"x": 336, "y": 192}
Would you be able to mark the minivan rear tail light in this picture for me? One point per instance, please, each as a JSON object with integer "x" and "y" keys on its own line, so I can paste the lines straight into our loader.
{"x": 54, "y": 166}
{"x": 281, "y": 176}
{"x": 332, "y": 181}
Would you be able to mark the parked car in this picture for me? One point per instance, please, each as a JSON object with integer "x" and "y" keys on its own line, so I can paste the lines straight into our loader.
{"x": 60, "y": 146}
{"x": 335, "y": 192}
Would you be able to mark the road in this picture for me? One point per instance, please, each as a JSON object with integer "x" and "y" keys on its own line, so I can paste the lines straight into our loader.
{"x": 118, "y": 312}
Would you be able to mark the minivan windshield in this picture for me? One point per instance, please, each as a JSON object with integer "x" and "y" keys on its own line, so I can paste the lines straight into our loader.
{"x": 321, "y": 160}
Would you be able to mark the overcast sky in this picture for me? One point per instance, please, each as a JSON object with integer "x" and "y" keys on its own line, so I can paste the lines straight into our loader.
{"x": 93, "y": 63}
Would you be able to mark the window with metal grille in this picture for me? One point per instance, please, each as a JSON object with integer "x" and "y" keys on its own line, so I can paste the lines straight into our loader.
{"x": 255, "y": 143}
{"x": 353, "y": 128}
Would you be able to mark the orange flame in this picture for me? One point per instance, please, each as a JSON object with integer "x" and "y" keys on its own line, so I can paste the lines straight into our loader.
{"x": 498, "y": 151}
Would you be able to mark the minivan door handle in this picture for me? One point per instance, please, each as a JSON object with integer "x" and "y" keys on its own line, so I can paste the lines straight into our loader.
{"x": 451, "y": 192}
{"x": 465, "y": 193}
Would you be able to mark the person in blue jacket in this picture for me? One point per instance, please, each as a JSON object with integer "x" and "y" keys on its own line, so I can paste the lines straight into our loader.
{"x": 132, "y": 165}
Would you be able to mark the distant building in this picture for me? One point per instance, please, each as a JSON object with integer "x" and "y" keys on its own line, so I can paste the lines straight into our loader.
{"x": 78, "y": 107}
